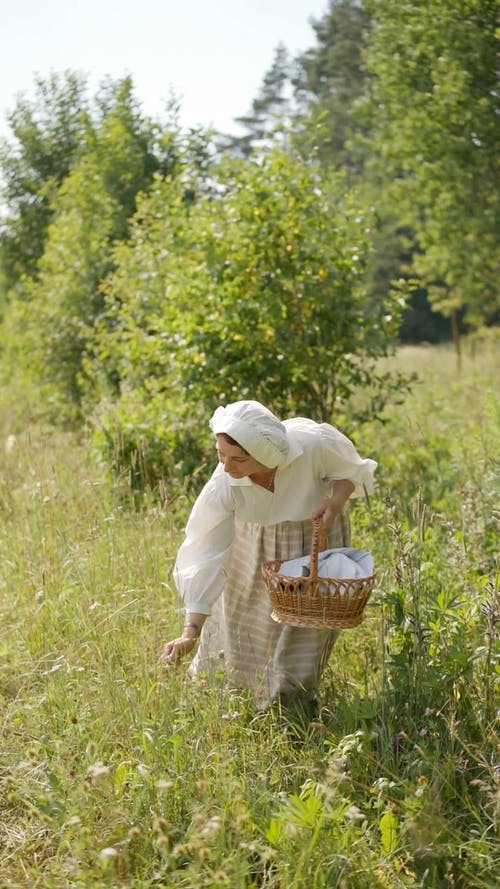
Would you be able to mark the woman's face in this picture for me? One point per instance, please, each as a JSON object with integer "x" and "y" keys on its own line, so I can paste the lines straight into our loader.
{"x": 236, "y": 462}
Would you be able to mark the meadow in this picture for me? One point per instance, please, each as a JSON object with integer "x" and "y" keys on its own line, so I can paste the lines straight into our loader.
{"x": 115, "y": 773}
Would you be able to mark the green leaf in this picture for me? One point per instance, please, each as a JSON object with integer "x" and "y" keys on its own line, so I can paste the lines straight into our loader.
{"x": 389, "y": 832}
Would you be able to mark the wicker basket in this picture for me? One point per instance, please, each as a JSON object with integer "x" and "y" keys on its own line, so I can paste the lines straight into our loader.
{"x": 322, "y": 602}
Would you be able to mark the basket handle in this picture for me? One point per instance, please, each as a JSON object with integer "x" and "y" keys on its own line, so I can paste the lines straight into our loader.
{"x": 318, "y": 533}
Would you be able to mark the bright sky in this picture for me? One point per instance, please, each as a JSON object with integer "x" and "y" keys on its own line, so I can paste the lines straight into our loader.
{"x": 212, "y": 54}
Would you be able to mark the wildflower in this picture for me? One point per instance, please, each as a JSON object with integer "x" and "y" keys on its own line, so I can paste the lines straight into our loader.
{"x": 318, "y": 726}
{"x": 212, "y": 826}
{"x": 202, "y": 785}
{"x": 97, "y": 770}
{"x": 354, "y": 814}
{"x": 183, "y": 849}
{"x": 380, "y": 783}
{"x": 164, "y": 785}
{"x": 221, "y": 879}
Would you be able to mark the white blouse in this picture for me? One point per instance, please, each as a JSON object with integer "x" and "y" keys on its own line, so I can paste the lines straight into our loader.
{"x": 318, "y": 455}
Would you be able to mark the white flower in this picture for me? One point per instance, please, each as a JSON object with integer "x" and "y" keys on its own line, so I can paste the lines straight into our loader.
{"x": 107, "y": 853}
{"x": 97, "y": 770}
{"x": 354, "y": 814}
{"x": 212, "y": 826}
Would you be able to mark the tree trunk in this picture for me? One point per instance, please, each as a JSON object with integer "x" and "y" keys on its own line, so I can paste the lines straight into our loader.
{"x": 456, "y": 338}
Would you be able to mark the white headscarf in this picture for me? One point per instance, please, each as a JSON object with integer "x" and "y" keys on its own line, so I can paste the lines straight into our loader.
{"x": 255, "y": 428}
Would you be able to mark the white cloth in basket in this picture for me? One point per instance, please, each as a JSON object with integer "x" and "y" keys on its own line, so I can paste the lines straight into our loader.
{"x": 344, "y": 562}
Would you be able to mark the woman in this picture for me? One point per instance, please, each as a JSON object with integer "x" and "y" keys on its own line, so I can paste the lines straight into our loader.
{"x": 272, "y": 480}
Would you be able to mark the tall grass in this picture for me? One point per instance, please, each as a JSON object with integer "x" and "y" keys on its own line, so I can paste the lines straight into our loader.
{"x": 114, "y": 773}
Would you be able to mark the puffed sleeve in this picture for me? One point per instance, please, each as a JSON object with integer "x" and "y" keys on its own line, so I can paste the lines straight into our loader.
{"x": 199, "y": 567}
{"x": 340, "y": 460}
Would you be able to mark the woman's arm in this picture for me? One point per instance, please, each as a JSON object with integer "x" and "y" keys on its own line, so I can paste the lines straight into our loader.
{"x": 198, "y": 571}
{"x": 199, "y": 566}
{"x": 340, "y": 461}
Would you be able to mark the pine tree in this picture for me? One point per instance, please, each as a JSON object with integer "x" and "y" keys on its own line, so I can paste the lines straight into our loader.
{"x": 270, "y": 110}
{"x": 330, "y": 79}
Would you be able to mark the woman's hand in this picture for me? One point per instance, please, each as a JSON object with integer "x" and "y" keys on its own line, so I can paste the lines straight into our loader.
{"x": 331, "y": 507}
{"x": 327, "y": 512}
{"x": 174, "y": 651}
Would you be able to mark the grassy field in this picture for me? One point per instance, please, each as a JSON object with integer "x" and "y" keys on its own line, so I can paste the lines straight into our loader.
{"x": 114, "y": 773}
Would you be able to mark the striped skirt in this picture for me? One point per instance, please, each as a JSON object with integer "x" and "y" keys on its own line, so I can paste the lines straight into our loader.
{"x": 273, "y": 660}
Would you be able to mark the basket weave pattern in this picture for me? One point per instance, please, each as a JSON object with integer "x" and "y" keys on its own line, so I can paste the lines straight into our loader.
{"x": 321, "y": 602}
